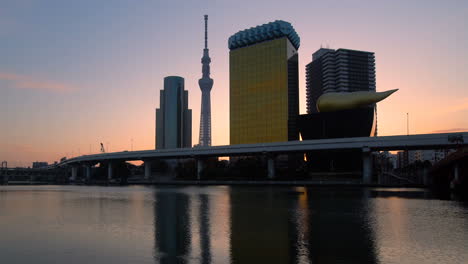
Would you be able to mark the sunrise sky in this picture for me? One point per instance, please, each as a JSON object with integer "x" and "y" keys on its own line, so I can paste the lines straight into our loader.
{"x": 77, "y": 73}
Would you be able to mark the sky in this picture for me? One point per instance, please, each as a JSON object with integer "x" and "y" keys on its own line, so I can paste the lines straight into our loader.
{"x": 74, "y": 74}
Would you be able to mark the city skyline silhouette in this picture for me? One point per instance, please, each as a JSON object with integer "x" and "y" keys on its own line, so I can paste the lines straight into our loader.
{"x": 74, "y": 75}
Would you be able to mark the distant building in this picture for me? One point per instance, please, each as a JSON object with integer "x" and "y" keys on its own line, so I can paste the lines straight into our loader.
{"x": 431, "y": 155}
{"x": 263, "y": 84}
{"x": 341, "y": 70}
{"x": 173, "y": 118}
{"x": 39, "y": 164}
{"x": 402, "y": 159}
{"x": 388, "y": 158}
{"x": 413, "y": 155}
{"x": 405, "y": 158}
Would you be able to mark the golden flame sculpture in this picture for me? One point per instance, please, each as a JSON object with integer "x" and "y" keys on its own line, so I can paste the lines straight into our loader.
{"x": 331, "y": 102}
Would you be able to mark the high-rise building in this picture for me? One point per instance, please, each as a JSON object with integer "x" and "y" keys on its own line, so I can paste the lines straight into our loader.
{"x": 39, "y": 164}
{"x": 263, "y": 85}
{"x": 341, "y": 70}
{"x": 205, "y": 83}
{"x": 173, "y": 118}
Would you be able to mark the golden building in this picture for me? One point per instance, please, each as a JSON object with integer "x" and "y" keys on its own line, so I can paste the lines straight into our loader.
{"x": 264, "y": 92}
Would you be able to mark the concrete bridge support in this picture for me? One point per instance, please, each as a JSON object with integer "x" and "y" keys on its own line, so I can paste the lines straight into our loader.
{"x": 200, "y": 167}
{"x": 456, "y": 176}
{"x": 366, "y": 165}
{"x": 456, "y": 173}
{"x": 110, "y": 171}
{"x": 74, "y": 173}
{"x": 88, "y": 172}
{"x": 426, "y": 178}
{"x": 147, "y": 169}
{"x": 271, "y": 166}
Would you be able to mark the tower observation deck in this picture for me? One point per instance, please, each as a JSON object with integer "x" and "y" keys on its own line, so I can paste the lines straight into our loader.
{"x": 205, "y": 83}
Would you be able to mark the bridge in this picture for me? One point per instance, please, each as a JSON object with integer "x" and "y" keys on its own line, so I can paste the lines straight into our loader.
{"x": 366, "y": 145}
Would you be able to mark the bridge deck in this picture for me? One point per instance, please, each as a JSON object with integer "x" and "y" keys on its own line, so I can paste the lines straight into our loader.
{"x": 411, "y": 142}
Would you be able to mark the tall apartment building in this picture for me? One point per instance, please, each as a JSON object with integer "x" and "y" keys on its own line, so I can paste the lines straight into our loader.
{"x": 341, "y": 70}
{"x": 173, "y": 118}
{"x": 264, "y": 84}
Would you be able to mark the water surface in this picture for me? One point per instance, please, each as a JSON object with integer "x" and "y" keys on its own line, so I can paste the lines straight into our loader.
{"x": 220, "y": 224}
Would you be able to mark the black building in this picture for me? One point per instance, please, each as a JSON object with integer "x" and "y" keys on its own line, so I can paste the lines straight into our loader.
{"x": 339, "y": 71}
{"x": 336, "y": 71}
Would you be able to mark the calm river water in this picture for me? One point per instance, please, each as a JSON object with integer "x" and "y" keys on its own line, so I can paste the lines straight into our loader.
{"x": 219, "y": 224}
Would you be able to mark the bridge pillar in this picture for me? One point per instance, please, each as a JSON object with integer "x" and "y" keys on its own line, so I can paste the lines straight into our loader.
{"x": 200, "y": 165}
{"x": 74, "y": 173}
{"x": 426, "y": 181}
{"x": 147, "y": 169}
{"x": 456, "y": 173}
{"x": 456, "y": 176}
{"x": 88, "y": 172}
{"x": 366, "y": 166}
{"x": 110, "y": 171}
{"x": 271, "y": 166}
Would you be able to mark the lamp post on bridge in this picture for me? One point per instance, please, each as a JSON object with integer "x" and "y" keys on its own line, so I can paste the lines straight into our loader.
{"x": 407, "y": 124}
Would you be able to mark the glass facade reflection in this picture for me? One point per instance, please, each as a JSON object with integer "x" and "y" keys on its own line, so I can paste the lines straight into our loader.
{"x": 264, "y": 89}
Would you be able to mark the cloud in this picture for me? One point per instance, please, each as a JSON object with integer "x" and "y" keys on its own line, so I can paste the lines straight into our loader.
{"x": 27, "y": 82}
{"x": 451, "y": 130}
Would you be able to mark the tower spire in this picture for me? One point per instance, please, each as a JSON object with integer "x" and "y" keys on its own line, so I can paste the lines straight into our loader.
{"x": 206, "y": 31}
{"x": 205, "y": 83}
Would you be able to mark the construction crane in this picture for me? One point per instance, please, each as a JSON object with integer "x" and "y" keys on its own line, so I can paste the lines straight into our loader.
{"x": 102, "y": 148}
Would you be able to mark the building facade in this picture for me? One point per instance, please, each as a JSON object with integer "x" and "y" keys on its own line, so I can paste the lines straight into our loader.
{"x": 402, "y": 159}
{"x": 173, "y": 118}
{"x": 263, "y": 84}
{"x": 431, "y": 155}
{"x": 336, "y": 71}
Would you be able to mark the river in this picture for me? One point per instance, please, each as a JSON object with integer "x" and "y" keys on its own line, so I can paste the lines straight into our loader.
{"x": 222, "y": 224}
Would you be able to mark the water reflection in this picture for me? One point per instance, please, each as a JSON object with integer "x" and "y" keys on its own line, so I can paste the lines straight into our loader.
{"x": 186, "y": 225}
{"x": 262, "y": 226}
{"x": 409, "y": 228}
{"x": 172, "y": 227}
{"x": 67, "y": 224}
{"x": 301, "y": 221}
{"x": 204, "y": 229}
{"x": 339, "y": 229}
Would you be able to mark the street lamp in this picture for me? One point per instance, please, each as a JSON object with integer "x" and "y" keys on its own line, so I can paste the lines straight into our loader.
{"x": 407, "y": 124}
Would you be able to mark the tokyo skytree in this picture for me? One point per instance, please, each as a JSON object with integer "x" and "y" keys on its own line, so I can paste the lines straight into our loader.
{"x": 205, "y": 83}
